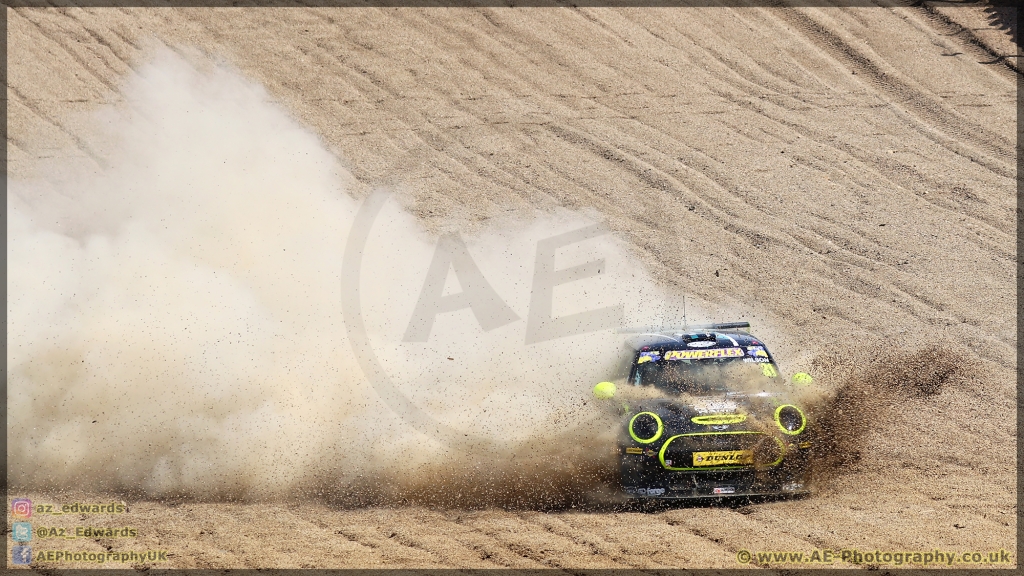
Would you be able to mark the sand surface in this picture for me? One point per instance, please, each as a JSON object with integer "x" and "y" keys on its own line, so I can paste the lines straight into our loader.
{"x": 848, "y": 172}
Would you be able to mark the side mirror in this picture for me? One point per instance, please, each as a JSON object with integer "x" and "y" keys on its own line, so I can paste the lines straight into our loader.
{"x": 802, "y": 379}
{"x": 604, "y": 390}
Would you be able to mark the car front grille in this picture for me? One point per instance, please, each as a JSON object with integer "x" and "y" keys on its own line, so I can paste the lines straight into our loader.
{"x": 706, "y": 451}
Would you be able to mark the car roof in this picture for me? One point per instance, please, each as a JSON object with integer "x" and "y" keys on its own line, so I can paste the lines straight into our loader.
{"x": 676, "y": 341}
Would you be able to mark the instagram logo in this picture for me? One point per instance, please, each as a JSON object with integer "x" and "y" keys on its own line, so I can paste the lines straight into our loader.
{"x": 21, "y": 508}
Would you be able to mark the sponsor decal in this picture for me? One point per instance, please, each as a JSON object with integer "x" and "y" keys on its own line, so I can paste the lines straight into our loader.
{"x": 757, "y": 360}
{"x": 633, "y": 450}
{"x": 650, "y": 452}
{"x": 792, "y": 486}
{"x": 757, "y": 352}
{"x": 651, "y": 491}
{"x": 805, "y": 445}
{"x": 724, "y": 490}
{"x": 648, "y": 357}
{"x": 723, "y": 458}
{"x": 645, "y": 491}
{"x": 701, "y": 344}
{"x": 704, "y": 354}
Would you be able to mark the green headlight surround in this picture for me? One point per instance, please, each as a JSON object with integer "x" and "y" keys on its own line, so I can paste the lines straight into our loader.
{"x": 661, "y": 428}
{"x": 803, "y": 420}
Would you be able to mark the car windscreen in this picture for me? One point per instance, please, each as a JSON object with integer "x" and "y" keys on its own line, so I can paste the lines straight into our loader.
{"x": 707, "y": 370}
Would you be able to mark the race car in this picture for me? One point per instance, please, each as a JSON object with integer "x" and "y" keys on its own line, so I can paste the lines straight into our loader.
{"x": 707, "y": 415}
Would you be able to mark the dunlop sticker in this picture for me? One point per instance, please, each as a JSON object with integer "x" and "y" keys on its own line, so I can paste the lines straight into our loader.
{"x": 726, "y": 458}
{"x": 703, "y": 354}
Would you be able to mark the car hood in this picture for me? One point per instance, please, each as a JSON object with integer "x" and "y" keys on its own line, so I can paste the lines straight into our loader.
{"x": 731, "y": 411}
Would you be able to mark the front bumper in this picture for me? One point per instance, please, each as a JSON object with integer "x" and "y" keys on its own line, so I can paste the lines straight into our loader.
{"x": 646, "y": 476}
{"x": 690, "y": 485}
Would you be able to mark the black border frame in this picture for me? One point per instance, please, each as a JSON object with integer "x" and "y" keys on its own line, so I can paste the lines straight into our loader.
{"x": 494, "y": 4}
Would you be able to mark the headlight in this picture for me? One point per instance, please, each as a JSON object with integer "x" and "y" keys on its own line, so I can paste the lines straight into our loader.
{"x": 646, "y": 427}
{"x": 790, "y": 419}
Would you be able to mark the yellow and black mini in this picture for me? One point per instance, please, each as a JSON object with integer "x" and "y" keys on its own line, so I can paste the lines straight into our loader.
{"x": 709, "y": 416}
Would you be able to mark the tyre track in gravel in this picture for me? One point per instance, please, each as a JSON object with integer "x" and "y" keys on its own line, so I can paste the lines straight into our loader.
{"x": 994, "y": 152}
{"x": 858, "y": 244}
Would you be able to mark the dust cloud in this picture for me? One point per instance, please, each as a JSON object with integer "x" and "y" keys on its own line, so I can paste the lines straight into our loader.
{"x": 863, "y": 387}
{"x": 176, "y": 330}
